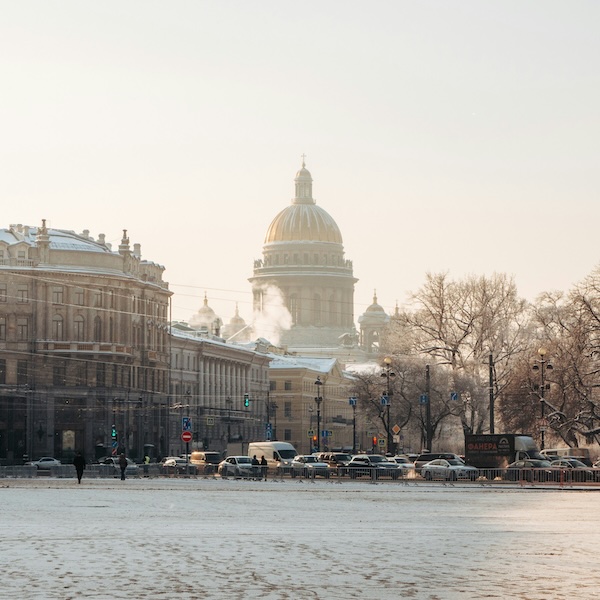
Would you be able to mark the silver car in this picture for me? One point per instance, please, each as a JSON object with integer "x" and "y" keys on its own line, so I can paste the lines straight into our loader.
{"x": 237, "y": 466}
{"x": 449, "y": 469}
{"x": 308, "y": 465}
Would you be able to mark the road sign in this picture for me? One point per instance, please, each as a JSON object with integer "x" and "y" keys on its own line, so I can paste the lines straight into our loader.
{"x": 115, "y": 444}
{"x": 210, "y": 420}
{"x": 186, "y": 424}
{"x": 385, "y": 401}
{"x": 453, "y": 395}
{"x": 352, "y": 401}
{"x": 396, "y": 429}
{"x": 186, "y": 436}
{"x": 310, "y": 433}
{"x": 423, "y": 399}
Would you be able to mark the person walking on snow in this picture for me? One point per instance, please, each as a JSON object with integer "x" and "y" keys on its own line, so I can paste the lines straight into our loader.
{"x": 123, "y": 465}
{"x": 79, "y": 463}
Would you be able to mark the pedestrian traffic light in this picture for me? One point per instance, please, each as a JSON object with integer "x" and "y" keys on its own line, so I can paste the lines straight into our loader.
{"x": 374, "y": 441}
{"x": 314, "y": 439}
{"x": 246, "y": 400}
{"x": 113, "y": 432}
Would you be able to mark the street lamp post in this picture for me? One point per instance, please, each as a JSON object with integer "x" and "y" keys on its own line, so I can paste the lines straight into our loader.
{"x": 352, "y": 402}
{"x": 318, "y": 400}
{"x": 388, "y": 374}
{"x": 542, "y": 366}
{"x": 229, "y": 402}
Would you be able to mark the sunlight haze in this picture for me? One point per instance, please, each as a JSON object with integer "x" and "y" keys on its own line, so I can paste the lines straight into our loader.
{"x": 441, "y": 136}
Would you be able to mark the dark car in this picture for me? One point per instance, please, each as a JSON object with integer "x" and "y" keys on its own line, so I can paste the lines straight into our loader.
{"x": 530, "y": 470}
{"x": 374, "y": 466}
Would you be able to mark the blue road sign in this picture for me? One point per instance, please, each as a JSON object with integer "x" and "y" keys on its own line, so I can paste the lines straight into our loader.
{"x": 453, "y": 395}
{"x": 186, "y": 424}
{"x": 115, "y": 444}
{"x": 352, "y": 401}
{"x": 385, "y": 401}
{"x": 423, "y": 399}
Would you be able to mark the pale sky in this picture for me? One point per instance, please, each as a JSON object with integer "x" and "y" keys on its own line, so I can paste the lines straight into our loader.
{"x": 441, "y": 136}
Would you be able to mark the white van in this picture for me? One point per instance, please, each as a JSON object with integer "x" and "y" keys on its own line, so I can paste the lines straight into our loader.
{"x": 582, "y": 454}
{"x": 278, "y": 454}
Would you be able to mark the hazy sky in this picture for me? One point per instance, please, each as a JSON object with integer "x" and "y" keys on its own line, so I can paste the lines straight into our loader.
{"x": 441, "y": 136}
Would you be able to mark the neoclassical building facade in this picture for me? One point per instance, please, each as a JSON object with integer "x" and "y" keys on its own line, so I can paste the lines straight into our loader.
{"x": 84, "y": 345}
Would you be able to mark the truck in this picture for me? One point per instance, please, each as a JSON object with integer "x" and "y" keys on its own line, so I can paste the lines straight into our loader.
{"x": 279, "y": 455}
{"x": 498, "y": 450}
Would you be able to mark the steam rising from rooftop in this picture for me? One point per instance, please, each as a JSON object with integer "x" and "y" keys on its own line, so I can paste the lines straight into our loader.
{"x": 273, "y": 318}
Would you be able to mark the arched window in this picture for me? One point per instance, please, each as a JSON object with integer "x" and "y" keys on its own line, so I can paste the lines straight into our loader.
{"x": 78, "y": 328}
{"x": 57, "y": 328}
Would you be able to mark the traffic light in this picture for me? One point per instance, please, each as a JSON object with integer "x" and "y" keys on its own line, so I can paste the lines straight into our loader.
{"x": 113, "y": 432}
{"x": 314, "y": 438}
{"x": 246, "y": 400}
{"x": 374, "y": 441}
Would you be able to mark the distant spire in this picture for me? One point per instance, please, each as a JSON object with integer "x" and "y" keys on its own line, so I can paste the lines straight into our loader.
{"x": 303, "y": 163}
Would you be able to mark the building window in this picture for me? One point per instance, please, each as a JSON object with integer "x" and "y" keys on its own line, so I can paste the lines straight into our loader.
{"x": 287, "y": 410}
{"x": 22, "y": 294}
{"x": 2, "y": 371}
{"x": 2, "y": 292}
{"x": 59, "y": 375}
{"x": 98, "y": 299}
{"x": 3, "y": 329}
{"x": 100, "y": 375}
{"x": 78, "y": 328}
{"x": 22, "y": 372}
{"x": 287, "y": 434}
{"x": 80, "y": 374}
{"x": 22, "y": 329}
{"x": 287, "y": 386}
{"x": 272, "y": 386}
{"x": 97, "y": 329}
{"x": 57, "y": 295}
{"x": 57, "y": 328}
{"x": 79, "y": 297}
{"x": 316, "y": 309}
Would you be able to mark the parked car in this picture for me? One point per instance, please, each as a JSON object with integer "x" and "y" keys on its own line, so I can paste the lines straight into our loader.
{"x": 46, "y": 462}
{"x": 131, "y": 470}
{"x": 207, "y": 462}
{"x": 308, "y": 465}
{"x": 179, "y": 466}
{"x": 426, "y": 457}
{"x": 236, "y": 466}
{"x": 449, "y": 469}
{"x": 406, "y": 465}
{"x": 337, "y": 461}
{"x": 373, "y": 465}
{"x": 572, "y": 469}
{"x": 531, "y": 469}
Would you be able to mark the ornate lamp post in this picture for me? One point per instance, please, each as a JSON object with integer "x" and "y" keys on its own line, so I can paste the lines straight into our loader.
{"x": 388, "y": 374}
{"x": 318, "y": 400}
{"x": 542, "y": 365}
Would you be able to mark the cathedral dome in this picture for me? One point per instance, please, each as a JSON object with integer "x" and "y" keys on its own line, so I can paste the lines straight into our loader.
{"x": 303, "y": 221}
{"x": 206, "y": 317}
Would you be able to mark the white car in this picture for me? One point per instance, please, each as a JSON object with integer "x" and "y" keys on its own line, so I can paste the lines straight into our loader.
{"x": 46, "y": 462}
{"x": 449, "y": 469}
{"x": 308, "y": 465}
{"x": 404, "y": 463}
{"x": 237, "y": 466}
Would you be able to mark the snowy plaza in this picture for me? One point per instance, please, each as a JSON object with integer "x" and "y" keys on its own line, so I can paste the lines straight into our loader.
{"x": 293, "y": 539}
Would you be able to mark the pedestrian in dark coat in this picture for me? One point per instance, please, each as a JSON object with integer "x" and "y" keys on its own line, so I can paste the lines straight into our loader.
{"x": 264, "y": 467}
{"x": 255, "y": 467}
{"x": 123, "y": 465}
{"x": 79, "y": 463}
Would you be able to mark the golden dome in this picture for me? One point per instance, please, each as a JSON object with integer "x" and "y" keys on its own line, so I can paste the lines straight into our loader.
{"x": 303, "y": 221}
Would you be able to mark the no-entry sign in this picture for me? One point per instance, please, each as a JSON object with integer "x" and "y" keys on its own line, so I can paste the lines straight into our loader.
{"x": 186, "y": 436}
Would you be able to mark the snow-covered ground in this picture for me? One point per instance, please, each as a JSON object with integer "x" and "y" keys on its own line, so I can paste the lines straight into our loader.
{"x": 237, "y": 540}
